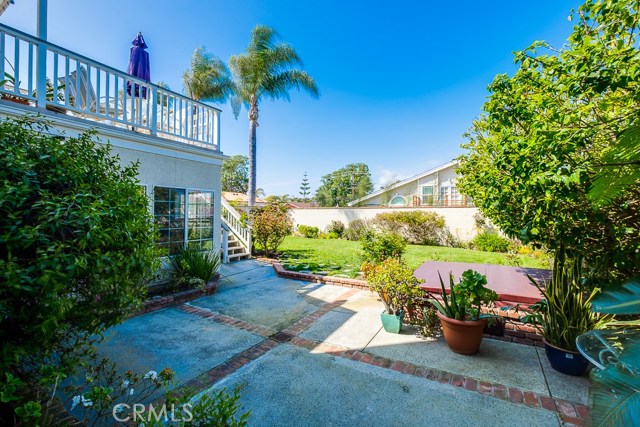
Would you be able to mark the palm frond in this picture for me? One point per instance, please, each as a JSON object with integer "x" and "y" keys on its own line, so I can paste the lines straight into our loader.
{"x": 620, "y": 168}
{"x": 208, "y": 78}
{"x": 268, "y": 67}
{"x": 278, "y": 86}
{"x": 616, "y": 391}
{"x": 625, "y": 300}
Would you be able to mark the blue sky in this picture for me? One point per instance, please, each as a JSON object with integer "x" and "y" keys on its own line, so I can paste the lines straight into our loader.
{"x": 400, "y": 81}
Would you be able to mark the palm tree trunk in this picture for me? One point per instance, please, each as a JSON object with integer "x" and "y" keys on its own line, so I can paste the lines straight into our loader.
{"x": 253, "y": 125}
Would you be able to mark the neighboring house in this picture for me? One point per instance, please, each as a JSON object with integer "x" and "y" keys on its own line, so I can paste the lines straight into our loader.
{"x": 241, "y": 199}
{"x": 175, "y": 139}
{"x": 433, "y": 188}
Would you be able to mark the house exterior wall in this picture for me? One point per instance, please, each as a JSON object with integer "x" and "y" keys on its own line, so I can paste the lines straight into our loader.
{"x": 158, "y": 170}
{"x": 460, "y": 221}
{"x": 411, "y": 191}
{"x": 163, "y": 163}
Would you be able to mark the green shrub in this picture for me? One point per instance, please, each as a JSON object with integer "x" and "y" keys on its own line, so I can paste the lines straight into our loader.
{"x": 108, "y": 390}
{"x": 192, "y": 268}
{"x": 466, "y": 299}
{"x": 308, "y": 231}
{"x": 270, "y": 225}
{"x": 336, "y": 227}
{"x": 78, "y": 247}
{"x": 417, "y": 227}
{"x": 377, "y": 247}
{"x": 394, "y": 283}
{"x": 328, "y": 236}
{"x": 490, "y": 241}
{"x": 357, "y": 229}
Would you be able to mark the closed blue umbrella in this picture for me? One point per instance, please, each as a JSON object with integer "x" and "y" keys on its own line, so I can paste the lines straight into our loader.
{"x": 139, "y": 65}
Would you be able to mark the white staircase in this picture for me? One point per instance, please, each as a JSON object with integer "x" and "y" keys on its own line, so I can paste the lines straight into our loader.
{"x": 236, "y": 238}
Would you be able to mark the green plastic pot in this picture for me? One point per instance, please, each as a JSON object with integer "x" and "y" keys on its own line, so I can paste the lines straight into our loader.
{"x": 392, "y": 323}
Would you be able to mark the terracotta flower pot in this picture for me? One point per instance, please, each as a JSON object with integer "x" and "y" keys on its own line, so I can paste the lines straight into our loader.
{"x": 462, "y": 337}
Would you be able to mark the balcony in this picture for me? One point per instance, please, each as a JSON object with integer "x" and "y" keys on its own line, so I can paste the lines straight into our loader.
{"x": 41, "y": 75}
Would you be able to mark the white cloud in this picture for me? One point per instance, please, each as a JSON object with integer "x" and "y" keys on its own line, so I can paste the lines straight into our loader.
{"x": 387, "y": 176}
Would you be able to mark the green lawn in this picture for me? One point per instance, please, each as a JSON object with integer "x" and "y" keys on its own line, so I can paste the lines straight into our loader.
{"x": 340, "y": 257}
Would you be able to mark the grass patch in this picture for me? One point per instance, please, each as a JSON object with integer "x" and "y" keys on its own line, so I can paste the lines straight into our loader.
{"x": 340, "y": 257}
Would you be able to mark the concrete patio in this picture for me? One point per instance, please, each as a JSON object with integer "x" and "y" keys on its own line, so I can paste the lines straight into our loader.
{"x": 316, "y": 355}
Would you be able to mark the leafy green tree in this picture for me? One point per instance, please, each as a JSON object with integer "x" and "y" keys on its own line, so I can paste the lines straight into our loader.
{"x": 235, "y": 174}
{"x": 345, "y": 185}
{"x": 208, "y": 78}
{"x": 78, "y": 247}
{"x": 534, "y": 151}
{"x": 268, "y": 69}
{"x": 305, "y": 188}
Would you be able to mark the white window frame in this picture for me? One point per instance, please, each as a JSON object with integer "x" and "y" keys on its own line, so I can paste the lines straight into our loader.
{"x": 405, "y": 202}
{"x": 186, "y": 207}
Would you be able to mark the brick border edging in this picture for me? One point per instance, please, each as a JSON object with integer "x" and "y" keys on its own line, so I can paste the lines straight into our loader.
{"x": 571, "y": 414}
{"x": 514, "y": 331}
{"x": 315, "y": 278}
{"x": 177, "y": 298}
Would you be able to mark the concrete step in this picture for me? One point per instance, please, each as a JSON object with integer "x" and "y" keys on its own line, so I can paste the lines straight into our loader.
{"x": 239, "y": 256}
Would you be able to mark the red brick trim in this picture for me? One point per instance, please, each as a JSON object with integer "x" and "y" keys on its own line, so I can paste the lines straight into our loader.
{"x": 212, "y": 376}
{"x": 177, "y": 298}
{"x": 227, "y": 320}
{"x": 572, "y": 413}
{"x": 316, "y": 278}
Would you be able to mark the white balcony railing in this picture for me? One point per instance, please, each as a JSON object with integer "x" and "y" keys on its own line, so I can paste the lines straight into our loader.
{"x": 39, "y": 73}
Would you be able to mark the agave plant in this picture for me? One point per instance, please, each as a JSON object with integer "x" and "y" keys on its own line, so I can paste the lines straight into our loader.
{"x": 615, "y": 394}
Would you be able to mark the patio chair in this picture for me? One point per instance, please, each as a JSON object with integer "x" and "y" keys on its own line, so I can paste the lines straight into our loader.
{"x": 84, "y": 100}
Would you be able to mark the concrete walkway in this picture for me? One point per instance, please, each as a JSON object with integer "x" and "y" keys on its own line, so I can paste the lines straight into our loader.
{"x": 316, "y": 355}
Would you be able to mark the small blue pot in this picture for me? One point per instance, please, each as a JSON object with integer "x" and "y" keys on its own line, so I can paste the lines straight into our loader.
{"x": 566, "y": 362}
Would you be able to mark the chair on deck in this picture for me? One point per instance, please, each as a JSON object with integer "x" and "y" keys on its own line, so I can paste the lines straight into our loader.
{"x": 81, "y": 93}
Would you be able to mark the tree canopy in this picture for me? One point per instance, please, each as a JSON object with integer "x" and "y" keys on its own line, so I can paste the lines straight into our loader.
{"x": 235, "y": 174}
{"x": 534, "y": 151}
{"x": 208, "y": 78}
{"x": 344, "y": 185}
{"x": 269, "y": 68}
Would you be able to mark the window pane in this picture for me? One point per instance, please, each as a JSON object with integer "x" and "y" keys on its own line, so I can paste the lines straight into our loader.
{"x": 200, "y": 220}
{"x": 168, "y": 209}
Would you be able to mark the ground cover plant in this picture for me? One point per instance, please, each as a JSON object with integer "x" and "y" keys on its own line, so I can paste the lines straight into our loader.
{"x": 340, "y": 257}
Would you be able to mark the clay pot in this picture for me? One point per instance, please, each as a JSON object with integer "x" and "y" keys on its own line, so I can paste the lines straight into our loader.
{"x": 462, "y": 336}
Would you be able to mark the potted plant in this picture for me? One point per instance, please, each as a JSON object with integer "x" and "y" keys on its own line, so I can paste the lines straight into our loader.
{"x": 564, "y": 314}
{"x": 396, "y": 286}
{"x": 460, "y": 311}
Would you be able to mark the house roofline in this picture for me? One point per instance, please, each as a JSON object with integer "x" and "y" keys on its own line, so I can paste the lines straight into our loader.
{"x": 405, "y": 181}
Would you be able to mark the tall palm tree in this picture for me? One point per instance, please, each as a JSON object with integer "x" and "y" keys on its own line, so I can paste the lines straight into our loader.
{"x": 268, "y": 69}
{"x": 208, "y": 79}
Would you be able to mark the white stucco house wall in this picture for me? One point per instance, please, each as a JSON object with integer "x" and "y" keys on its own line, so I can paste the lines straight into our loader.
{"x": 435, "y": 188}
{"x": 175, "y": 139}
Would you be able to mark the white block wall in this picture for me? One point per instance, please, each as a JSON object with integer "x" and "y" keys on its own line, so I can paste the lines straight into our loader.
{"x": 459, "y": 220}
